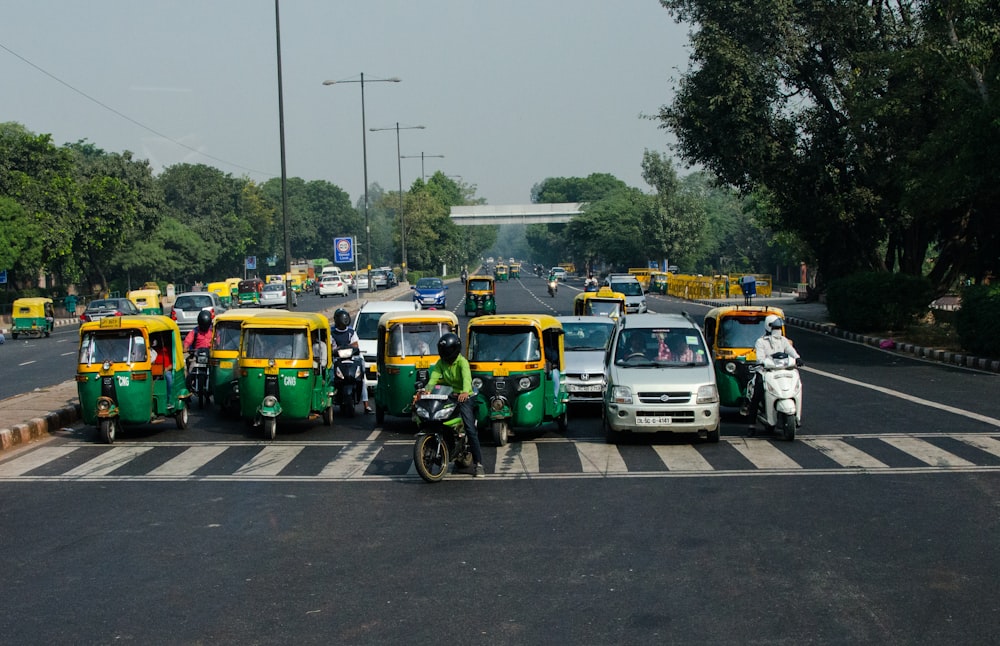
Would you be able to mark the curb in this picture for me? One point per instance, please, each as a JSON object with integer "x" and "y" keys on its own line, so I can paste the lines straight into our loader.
{"x": 39, "y": 427}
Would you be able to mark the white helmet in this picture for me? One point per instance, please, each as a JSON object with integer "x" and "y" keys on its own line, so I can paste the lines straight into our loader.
{"x": 773, "y": 322}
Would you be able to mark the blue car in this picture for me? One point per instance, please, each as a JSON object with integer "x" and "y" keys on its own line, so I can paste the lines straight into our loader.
{"x": 430, "y": 292}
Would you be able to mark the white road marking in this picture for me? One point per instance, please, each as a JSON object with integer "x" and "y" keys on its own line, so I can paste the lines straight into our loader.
{"x": 34, "y": 459}
{"x": 600, "y": 457}
{"x": 765, "y": 455}
{"x": 270, "y": 461}
{"x": 352, "y": 461}
{"x": 517, "y": 459}
{"x": 927, "y": 452}
{"x": 189, "y": 461}
{"x": 844, "y": 454}
{"x": 108, "y": 461}
{"x": 982, "y": 442}
{"x": 682, "y": 457}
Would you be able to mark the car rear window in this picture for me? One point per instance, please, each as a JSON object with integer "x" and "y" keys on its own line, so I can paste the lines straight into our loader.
{"x": 193, "y": 302}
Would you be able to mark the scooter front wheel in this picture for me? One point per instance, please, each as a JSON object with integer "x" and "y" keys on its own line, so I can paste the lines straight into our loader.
{"x": 430, "y": 457}
{"x": 786, "y": 423}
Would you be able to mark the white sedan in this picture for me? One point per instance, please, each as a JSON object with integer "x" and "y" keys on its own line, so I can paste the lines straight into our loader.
{"x": 273, "y": 295}
{"x": 332, "y": 285}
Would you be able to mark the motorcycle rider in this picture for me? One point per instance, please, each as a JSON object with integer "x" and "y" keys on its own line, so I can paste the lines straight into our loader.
{"x": 343, "y": 335}
{"x": 590, "y": 285}
{"x": 453, "y": 370}
{"x": 200, "y": 336}
{"x": 769, "y": 343}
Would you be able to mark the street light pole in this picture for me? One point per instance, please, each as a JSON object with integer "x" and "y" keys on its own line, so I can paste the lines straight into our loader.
{"x": 422, "y": 155}
{"x": 364, "y": 154}
{"x": 399, "y": 168}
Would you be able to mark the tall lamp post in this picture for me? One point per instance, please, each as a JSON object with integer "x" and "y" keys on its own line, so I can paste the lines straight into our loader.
{"x": 364, "y": 154}
{"x": 423, "y": 176}
{"x": 399, "y": 168}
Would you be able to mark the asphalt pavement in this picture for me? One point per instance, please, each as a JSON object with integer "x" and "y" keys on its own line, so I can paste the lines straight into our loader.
{"x": 30, "y": 416}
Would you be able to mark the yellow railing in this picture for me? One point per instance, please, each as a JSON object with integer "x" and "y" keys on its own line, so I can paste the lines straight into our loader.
{"x": 701, "y": 287}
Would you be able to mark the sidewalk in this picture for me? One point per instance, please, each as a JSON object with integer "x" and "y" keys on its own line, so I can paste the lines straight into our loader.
{"x": 30, "y": 416}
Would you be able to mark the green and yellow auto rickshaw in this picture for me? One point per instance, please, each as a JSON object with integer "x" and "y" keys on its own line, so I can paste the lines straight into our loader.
{"x": 32, "y": 317}
{"x": 234, "y": 291}
{"x": 407, "y": 350}
{"x": 147, "y": 300}
{"x": 480, "y": 296}
{"x": 501, "y": 273}
{"x": 603, "y": 302}
{"x": 248, "y": 292}
{"x": 224, "y": 354}
{"x": 658, "y": 282}
{"x": 130, "y": 371}
{"x": 731, "y": 333}
{"x": 284, "y": 367}
{"x": 515, "y": 270}
{"x": 517, "y": 363}
{"x": 221, "y": 288}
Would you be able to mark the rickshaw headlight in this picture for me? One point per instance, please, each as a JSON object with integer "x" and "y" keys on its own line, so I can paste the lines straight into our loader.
{"x": 270, "y": 363}
{"x": 477, "y": 383}
{"x": 731, "y": 367}
{"x": 524, "y": 383}
{"x": 103, "y": 404}
{"x": 497, "y": 404}
{"x": 270, "y": 400}
{"x": 106, "y": 365}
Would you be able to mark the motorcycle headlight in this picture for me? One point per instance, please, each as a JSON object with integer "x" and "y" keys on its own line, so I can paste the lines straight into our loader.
{"x": 443, "y": 413}
{"x": 422, "y": 413}
{"x": 338, "y": 373}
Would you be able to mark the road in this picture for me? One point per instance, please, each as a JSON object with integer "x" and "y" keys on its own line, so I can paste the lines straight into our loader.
{"x": 877, "y": 524}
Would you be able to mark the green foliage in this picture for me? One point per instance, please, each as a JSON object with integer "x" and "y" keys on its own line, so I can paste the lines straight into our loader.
{"x": 878, "y": 301}
{"x": 976, "y": 321}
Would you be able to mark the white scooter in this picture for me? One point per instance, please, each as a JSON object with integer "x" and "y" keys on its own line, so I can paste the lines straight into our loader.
{"x": 782, "y": 409}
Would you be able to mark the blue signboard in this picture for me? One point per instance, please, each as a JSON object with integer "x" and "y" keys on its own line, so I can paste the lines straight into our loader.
{"x": 343, "y": 250}
{"x": 3, "y": 276}
{"x": 251, "y": 262}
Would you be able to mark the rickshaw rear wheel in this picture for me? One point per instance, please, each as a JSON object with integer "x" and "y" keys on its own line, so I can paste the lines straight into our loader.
{"x": 500, "y": 433}
{"x": 108, "y": 428}
{"x": 181, "y": 416}
{"x": 328, "y": 415}
{"x": 430, "y": 457}
{"x": 270, "y": 428}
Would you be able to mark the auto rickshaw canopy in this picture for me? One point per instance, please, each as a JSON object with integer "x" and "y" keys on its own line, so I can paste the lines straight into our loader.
{"x": 733, "y": 330}
{"x": 603, "y": 302}
{"x": 127, "y": 340}
{"x": 32, "y": 307}
{"x": 284, "y": 336}
{"x": 516, "y": 338}
{"x": 414, "y": 333}
{"x": 480, "y": 285}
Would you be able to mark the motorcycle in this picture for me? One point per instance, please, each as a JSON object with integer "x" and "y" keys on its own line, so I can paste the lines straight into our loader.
{"x": 197, "y": 377}
{"x": 782, "y": 404}
{"x": 348, "y": 375}
{"x": 441, "y": 437}
{"x": 553, "y": 287}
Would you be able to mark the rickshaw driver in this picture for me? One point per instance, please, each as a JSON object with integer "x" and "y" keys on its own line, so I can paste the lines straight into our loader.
{"x": 161, "y": 357}
{"x": 343, "y": 335}
{"x": 453, "y": 370}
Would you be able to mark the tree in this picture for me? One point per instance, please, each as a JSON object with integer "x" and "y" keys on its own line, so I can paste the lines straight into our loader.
{"x": 318, "y": 211}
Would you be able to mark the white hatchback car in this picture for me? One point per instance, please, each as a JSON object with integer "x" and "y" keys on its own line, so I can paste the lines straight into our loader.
{"x": 660, "y": 378}
{"x": 331, "y": 285}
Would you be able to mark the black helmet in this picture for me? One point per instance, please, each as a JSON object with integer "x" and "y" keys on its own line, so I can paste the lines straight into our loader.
{"x": 204, "y": 320}
{"x": 341, "y": 319}
{"x": 449, "y": 347}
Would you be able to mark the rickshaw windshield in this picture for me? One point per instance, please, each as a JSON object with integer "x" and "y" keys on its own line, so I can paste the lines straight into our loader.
{"x": 479, "y": 285}
{"x": 415, "y": 339}
{"x": 276, "y": 344}
{"x": 122, "y": 346}
{"x": 603, "y": 308}
{"x": 739, "y": 332}
{"x": 227, "y": 336}
{"x": 586, "y": 336}
{"x": 506, "y": 343}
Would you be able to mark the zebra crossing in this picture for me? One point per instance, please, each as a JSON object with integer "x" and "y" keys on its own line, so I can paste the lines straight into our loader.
{"x": 382, "y": 460}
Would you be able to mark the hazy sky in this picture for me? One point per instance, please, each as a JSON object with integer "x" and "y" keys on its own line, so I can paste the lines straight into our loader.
{"x": 510, "y": 92}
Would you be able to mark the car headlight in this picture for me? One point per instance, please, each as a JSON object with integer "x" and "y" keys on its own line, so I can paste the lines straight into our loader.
{"x": 708, "y": 394}
{"x": 621, "y": 395}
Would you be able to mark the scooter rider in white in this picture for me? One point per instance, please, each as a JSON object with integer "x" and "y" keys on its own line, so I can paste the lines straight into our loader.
{"x": 769, "y": 344}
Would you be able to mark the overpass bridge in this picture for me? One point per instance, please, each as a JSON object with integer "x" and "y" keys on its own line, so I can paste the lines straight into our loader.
{"x": 557, "y": 213}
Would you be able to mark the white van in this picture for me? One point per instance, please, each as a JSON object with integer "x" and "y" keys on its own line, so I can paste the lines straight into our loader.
{"x": 366, "y": 325}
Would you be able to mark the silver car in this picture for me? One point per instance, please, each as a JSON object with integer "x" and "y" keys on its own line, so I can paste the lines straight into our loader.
{"x": 188, "y": 305}
{"x": 586, "y": 341}
{"x": 275, "y": 295}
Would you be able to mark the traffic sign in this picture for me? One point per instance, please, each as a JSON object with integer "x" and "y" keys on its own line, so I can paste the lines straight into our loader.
{"x": 251, "y": 262}
{"x": 343, "y": 250}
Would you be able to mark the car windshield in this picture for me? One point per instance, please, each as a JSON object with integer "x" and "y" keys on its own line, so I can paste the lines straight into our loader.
{"x": 586, "y": 336}
{"x": 429, "y": 283}
{"x": 276, "y": 344}
{"x": 629, "y": 288}
{"x": 504, "y": 343}
{"x": 367, "y": 325}
{"x": 123, "y": 346}
{"x": 416, "y": 339}
{"x": 657, "y": 347}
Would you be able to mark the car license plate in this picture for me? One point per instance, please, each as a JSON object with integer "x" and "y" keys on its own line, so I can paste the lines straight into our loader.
{"x": 651, "y": 421}
{"x": 596, "y": 388}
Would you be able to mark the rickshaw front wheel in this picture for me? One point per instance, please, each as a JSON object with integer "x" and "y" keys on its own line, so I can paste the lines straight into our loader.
{"x": 328, "y": 415}
{"x": 108, "y": 427}
{"x": 270, "y": 428}
{"x": 181, "y": 416}
{"x": 500, "y": 433}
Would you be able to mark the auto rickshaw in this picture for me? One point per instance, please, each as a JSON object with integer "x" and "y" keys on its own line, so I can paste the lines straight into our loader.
{"x": 122, "y": 379}
{"x": 283, "y": 370}
{"x": 225, "y": 352}
{"x": 222, "y": 289}
{"x": 480, "y": 296}
{"x": 658, "y": 282}
{"x": 516, "y": 363}
{"x": 147, "y": 300}
{"x": 603, "y": 302}
{"x": 731, "y": 333}
{"x": 249, "y": 292}
{"x": 515, "y": 270}
{"x": 33, "y": 317}
{"x": 296, "y": 281}
{"x": 234, "y": 291}
{"x": 501, "y": 273}
{"x": 407, "y": 350}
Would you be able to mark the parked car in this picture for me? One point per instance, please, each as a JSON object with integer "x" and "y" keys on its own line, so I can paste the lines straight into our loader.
{"x": 98, "y": 309}
{"x": 275, "y": 295}
{"x": 189, "y": 304}
{"x": 660, "y": 377}
{"x": 381, "y": 278}
{"x": 585, "y": 343}
{"x": 360, "y": 282}
{"x": 331, "y": 285}
{"x": 430, "y": 292}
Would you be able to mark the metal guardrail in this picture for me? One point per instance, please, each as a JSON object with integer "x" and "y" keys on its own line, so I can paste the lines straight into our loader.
{"x": 693, "y": 287}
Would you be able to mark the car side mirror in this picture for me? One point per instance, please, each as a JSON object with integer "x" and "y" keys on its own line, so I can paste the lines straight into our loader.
{"x": 445, "y": 288}
{"x": 413, "y": 286}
